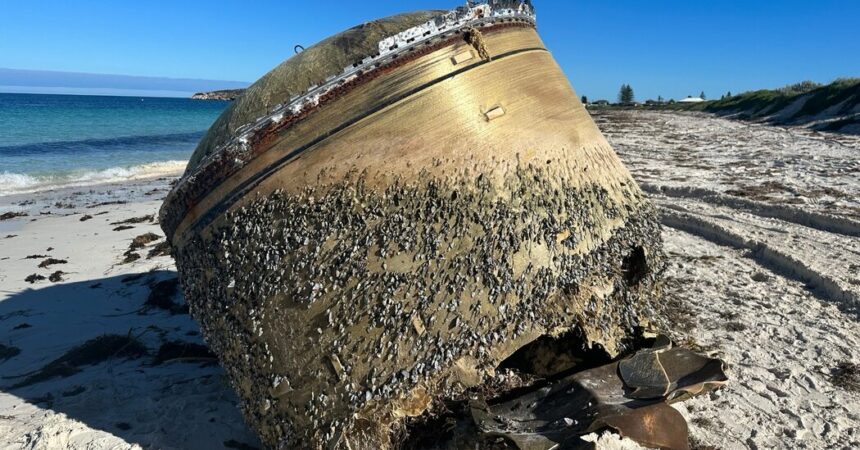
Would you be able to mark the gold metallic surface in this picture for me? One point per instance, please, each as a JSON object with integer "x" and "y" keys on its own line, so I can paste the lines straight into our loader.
{"x": 543, "y": 119}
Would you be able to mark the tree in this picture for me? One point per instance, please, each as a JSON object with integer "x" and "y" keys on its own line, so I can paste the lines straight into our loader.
{"x": 729, "y": 94}
{"x": 659, "y": 99}
{"x": 702, "y": 96}
{"x": 625, "y": 95}
{"x": 584, "y": 100}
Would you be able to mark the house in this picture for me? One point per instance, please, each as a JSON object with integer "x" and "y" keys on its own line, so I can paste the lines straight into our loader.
{"x": 601, "y": 103}
{"x": 691, "y": 99}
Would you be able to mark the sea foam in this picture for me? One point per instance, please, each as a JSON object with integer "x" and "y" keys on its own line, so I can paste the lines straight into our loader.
{"x": 19, "y": 183}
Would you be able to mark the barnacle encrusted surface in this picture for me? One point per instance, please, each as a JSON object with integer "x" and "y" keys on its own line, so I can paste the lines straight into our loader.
{"x": 340, "y": 309}
{"x": 357, "y": 263}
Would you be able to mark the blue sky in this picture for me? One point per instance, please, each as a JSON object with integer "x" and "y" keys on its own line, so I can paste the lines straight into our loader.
{"x": 672, "y": 48}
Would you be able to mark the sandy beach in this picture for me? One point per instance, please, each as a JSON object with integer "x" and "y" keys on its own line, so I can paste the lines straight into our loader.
{"x": 168, "y": 393}
{"x": 761, "y": 224}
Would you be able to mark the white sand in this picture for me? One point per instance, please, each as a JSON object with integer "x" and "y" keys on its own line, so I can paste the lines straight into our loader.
{"x": 120, "y": 403}
{"x": 763, "y": 237}
{"x": 762, "y": 234}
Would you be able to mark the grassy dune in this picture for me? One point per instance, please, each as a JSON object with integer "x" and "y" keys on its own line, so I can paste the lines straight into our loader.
{"x": 831, "y": 107}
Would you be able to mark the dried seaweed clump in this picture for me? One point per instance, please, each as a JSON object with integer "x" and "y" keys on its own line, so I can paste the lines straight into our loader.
{"x": 162, "y": 295}
{"x": 92, "y": 352}
{"x": 846, "y": 375}
{"x": 143, "y": 240}
{"x": 7, "y": 352}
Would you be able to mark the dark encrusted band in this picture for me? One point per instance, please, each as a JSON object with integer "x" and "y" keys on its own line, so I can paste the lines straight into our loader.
{"x": 345, "y": 257}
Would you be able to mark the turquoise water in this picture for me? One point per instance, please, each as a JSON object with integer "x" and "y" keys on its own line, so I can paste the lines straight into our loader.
{"x": 49, "y": 141}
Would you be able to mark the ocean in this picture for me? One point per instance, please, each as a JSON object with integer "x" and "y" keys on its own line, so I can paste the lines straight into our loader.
{"x": 50, "y": 141}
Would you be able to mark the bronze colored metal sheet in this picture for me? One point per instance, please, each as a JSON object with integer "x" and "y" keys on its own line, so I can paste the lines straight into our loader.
{"x": 555, "y": 415}
{"x": 655, "y": 426}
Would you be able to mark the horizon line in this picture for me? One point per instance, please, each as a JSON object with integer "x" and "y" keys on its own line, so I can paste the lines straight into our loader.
{"x": 159, "y": 77}
{"x": 86, "y": 83}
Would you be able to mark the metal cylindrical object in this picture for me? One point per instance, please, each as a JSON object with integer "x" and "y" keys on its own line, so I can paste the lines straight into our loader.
{"x": 388, "y": 246}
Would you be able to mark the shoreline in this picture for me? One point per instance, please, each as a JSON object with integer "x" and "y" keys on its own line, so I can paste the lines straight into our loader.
{"x": 111, "y": 176}
{"x": 72, "y": 198}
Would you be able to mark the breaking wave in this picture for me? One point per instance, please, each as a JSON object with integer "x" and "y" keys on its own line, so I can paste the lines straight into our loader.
{"x": 18, "y": 183}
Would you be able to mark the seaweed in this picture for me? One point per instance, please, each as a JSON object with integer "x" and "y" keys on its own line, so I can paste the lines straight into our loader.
{"x": 12, "y": 215}
{"x": 7, "y": 352}
{"x": 34, "y": 278}
{"x": 116, "y": 202}
{"x": 56, "y": 276}
{"x": 160, "y": 249}
{"x": 142, "y": 240}
{"x": 50, "y": 262}
{"x": 135, "y": 220}
{"x": 846, "y": 375}
{"x": 162, "y": 296}
{"x": 183, "y": 351}
{"x": 130, "y": 256}
{"x": 90, "y": 353}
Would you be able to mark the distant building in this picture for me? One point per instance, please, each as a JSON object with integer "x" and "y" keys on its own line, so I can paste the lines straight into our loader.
{"x": 692, "y": 100}
{"x": 601, "y": 103}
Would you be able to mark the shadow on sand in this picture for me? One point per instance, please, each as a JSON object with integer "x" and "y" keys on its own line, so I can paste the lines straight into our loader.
{"x": 115, "y": 391}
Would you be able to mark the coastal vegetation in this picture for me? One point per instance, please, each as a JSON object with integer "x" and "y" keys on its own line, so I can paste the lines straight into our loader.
{"x": 830, "y": 107}
{"x": 625, "y": 95}
{"x": 826, "y": 107}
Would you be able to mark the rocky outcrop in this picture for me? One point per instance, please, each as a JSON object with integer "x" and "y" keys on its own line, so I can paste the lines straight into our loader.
{"x": 225, "y": 94}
